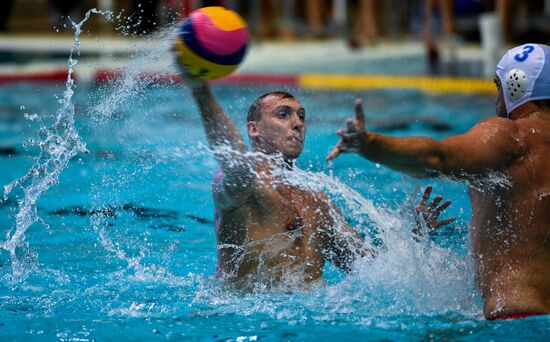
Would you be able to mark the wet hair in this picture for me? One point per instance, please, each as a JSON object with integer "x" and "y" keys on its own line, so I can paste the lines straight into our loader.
{"x": 255, "y": 110}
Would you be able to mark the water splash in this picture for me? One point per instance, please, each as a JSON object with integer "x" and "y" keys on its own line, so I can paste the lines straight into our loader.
{"x": 134, "y": 80}
{"x": 407, "y": 277}
{"x": 115, "y": 101}
{"x": 58, "y": 144}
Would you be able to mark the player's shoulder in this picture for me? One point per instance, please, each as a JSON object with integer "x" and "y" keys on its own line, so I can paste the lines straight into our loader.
{"x": 497, "y": 125}
{"x": 505, "y": 134}
{"x": 496, "y": 121}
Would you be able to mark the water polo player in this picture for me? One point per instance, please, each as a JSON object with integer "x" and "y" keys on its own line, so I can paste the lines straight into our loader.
{"x": 505, "y": 160}
{"x": 271, "y": 233}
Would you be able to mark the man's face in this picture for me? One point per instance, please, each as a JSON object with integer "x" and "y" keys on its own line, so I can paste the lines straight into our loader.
{"x": 281, "y": 127}
{"x": 500, "y": 104}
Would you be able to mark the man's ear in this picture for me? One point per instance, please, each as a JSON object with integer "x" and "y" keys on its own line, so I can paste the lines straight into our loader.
{"x": 252, "y": 129}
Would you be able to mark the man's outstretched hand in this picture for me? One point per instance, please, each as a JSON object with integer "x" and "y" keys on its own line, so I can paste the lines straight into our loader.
{"x": 351, "y": 137}
{"x": 430, "y": 212}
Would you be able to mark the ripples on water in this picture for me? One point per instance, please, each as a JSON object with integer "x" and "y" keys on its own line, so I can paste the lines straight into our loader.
{"x": 127, "y": 245}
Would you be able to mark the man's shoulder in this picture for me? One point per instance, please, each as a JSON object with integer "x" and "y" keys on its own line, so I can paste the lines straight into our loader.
{"x": 496, "y": 125}
{"x": 228, "y": 198}
{"x": 496, "y": 120}
{"x": 504, "y": 134}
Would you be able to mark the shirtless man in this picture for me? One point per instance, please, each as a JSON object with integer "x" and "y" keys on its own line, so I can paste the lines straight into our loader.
{"x": 270, "y": 233}
{"x": 510, "y": 228}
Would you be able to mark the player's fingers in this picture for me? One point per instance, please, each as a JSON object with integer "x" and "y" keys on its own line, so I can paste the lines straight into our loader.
{"x": 335, "y": 153}
{"x": 359, "y": 115}
{"x": 445, "y": 222}
{"x": 350, "y": 125}
{"x": 444, "y": 206}
{"x": 426, "y": 195}
{"x": 343, "y": 134}
{"x": 436, "y": 201}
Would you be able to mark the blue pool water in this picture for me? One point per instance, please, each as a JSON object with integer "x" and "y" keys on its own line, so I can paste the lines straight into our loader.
{"x": 125, "y": 245}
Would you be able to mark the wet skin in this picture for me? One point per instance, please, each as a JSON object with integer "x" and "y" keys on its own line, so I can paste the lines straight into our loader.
{"x": 510, "y": 228}
{"x": 510, "y": 221}
{"x": 271, "y": 234}
{"x": 280, "y": 235}
{"x": 281, "y": 128}
{"x": 276, "y": 231}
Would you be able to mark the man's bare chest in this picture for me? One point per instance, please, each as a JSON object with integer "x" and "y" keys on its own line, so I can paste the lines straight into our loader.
{"x": 286, "y": 208}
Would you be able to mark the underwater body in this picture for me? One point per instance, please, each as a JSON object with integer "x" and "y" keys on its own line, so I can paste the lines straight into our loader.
{"x": 123, "y": 243}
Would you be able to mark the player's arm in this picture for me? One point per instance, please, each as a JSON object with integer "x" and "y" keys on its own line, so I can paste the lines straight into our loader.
{"x": 346, "y": 246}
{"x": 487, "y": 146}
{"x": 227, "y": 144}
{"x": 343, "y": 245}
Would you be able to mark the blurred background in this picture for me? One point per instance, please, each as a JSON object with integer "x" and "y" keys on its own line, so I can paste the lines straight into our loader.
{"x": 450, "y": 37}
{"x": 362, "y": 21}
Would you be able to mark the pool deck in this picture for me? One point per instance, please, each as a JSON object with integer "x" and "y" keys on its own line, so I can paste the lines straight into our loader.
{"x": 311, "y": 64}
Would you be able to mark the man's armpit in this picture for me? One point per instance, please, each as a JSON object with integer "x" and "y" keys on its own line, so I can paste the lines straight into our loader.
{"x": 219, "y": 193}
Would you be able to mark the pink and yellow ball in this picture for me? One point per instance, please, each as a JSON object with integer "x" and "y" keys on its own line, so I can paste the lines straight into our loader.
{"x": 212, "y": 42}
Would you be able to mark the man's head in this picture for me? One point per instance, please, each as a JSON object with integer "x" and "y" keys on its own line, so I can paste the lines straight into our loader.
{"x": 276, "y": 123}
{"x": 523, "y": 75}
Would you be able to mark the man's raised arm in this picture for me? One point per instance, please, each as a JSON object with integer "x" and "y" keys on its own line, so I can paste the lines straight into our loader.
{"x": 487, "y": 146}
{"x": 227, "y": 144}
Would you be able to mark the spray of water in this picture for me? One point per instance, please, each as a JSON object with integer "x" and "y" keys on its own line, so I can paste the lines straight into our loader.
{"x": 61, "y": 142}
{"x": 134, "y": 79}
{"x": 407, "y": 276}
{"x": 58, "y": 144}
{"x": 117, "y": 100}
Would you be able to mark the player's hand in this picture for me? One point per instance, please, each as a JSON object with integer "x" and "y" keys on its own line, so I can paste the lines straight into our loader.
{"x": 352, "y": 136}
{"x": 430, "y": 212}
{"x": 190, "y": 79}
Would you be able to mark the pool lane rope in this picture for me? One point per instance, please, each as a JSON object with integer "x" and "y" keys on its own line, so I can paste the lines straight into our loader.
{"x": 425, "y": 84}
{"x": 431, "y": 85}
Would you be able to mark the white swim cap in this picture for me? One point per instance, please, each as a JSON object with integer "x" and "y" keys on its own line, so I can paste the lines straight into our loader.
{"x": 524, "y": 74}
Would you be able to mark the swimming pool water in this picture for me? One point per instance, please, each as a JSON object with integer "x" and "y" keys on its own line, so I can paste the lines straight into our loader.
{"x": 127, "y": 247}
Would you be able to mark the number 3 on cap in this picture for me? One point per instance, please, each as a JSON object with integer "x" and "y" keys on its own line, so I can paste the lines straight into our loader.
{"x": 527, "y": 49}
